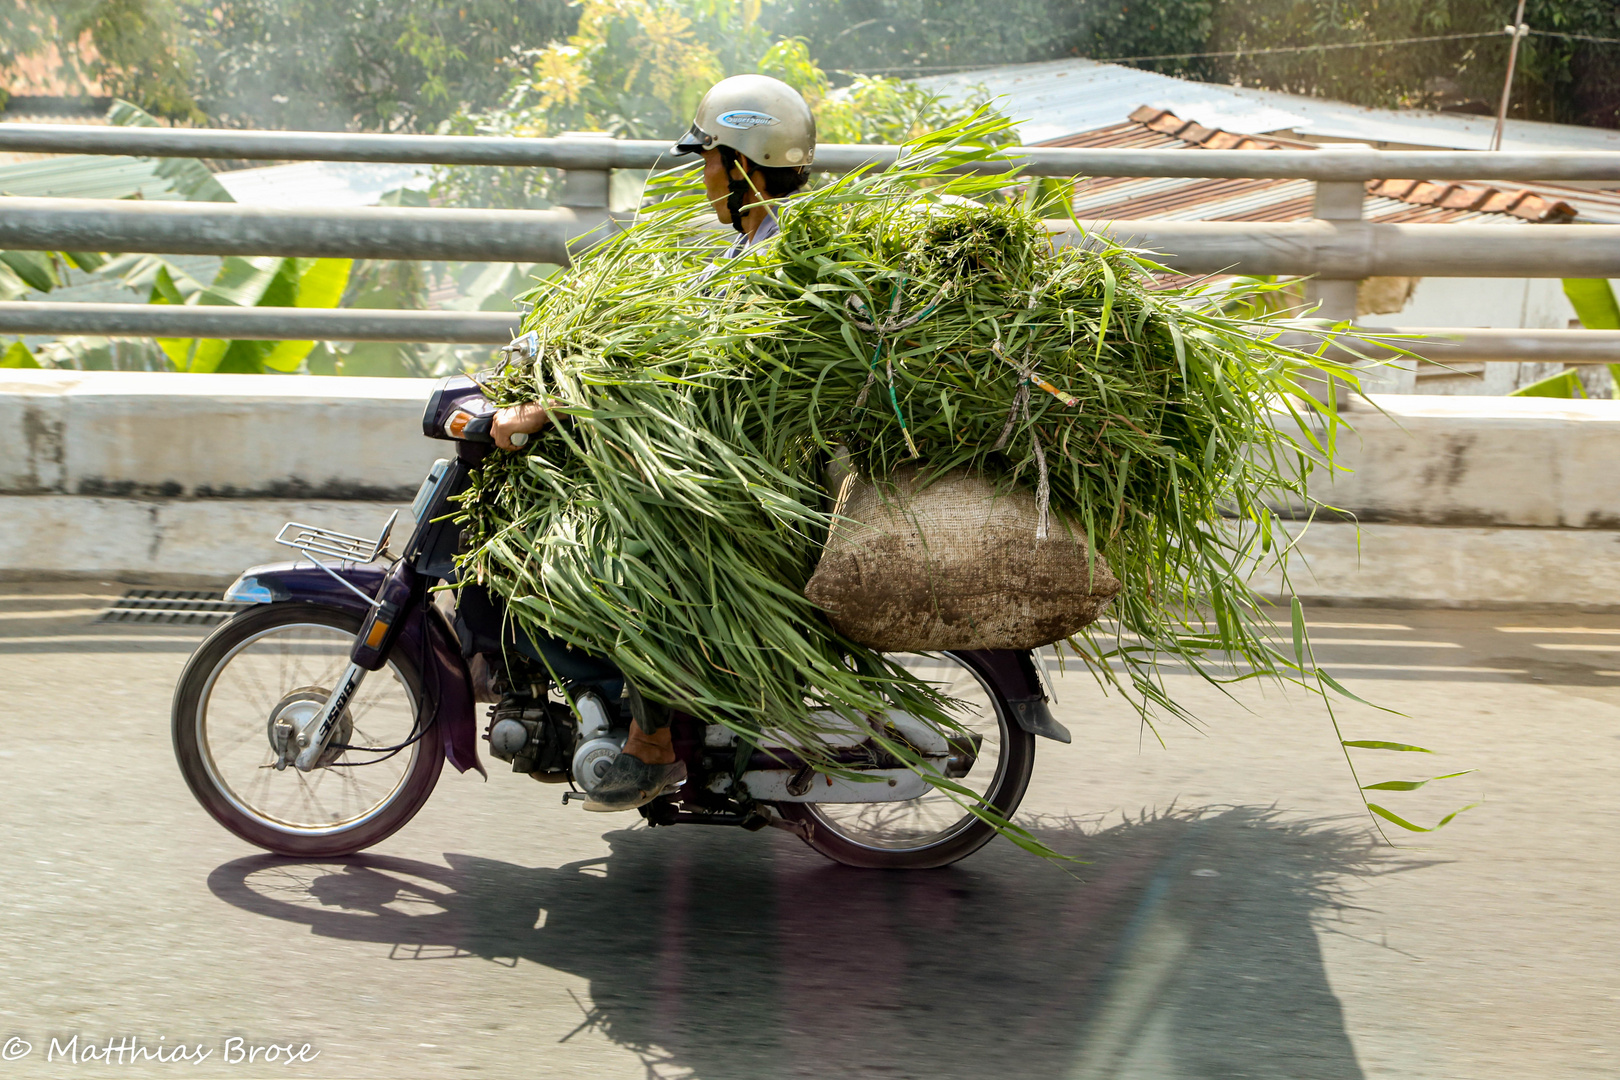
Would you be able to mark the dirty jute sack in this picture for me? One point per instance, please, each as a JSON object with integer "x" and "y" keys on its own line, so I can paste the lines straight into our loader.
{"x": 954, "y": 565}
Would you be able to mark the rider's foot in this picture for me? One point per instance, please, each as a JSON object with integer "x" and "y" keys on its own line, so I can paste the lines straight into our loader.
{"x": 630, "y": 782}
{"x": 655, "y": 749}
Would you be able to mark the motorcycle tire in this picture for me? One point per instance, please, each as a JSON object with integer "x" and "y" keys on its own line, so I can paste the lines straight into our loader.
{"x": 230, "y": 808}
{"x": 842, "y": 843}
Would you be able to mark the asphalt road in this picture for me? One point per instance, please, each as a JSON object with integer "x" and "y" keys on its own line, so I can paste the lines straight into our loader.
{"x": 1235, "y": 914}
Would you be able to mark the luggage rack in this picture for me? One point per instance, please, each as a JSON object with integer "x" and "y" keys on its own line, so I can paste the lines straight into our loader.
{"x": 312, "y": 541}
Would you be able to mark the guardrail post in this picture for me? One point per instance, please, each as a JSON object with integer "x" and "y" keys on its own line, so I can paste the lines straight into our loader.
{"x": 585, "y": 189}
{"x": 1336, "y": 201}
{"x": 1343, "y": 201}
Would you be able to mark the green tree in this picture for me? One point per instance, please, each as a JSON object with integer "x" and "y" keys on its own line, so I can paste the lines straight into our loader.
{"x": 637, "y": 69}
{"x": 25, "y": 28}
{"x": 903, "y": 36}
{"x": 363, "y": 65}
{"x": 871, "y": 109}
{"x": 632, "y": 68}
{"x": 136, "y": 49}
{"x": 1558, "y": 79}
{"x": 388, "y": 65}
{"x": 890, "y": 36}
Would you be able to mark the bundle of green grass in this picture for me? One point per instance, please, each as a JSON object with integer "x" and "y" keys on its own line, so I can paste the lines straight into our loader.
{"x": 670, "y": 519}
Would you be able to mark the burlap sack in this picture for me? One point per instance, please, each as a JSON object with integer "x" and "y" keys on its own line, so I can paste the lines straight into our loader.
{"x": 953, "y": 566}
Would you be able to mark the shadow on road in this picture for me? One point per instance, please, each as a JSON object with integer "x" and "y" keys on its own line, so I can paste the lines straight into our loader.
{"x": 1184, "y": 948}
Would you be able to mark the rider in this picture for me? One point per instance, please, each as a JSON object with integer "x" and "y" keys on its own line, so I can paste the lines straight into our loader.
{"x": 757, "y": 138}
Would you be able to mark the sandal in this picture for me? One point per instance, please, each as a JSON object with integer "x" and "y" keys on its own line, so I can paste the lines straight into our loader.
{"x": 630, "y": 782}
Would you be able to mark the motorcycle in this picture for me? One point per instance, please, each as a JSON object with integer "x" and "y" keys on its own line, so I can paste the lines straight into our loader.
{"x": 315, "y": 721}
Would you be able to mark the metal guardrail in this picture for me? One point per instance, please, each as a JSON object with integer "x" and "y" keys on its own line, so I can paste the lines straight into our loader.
{"x": 596, "y": 153}
{"x": 257, "y": 323}
{"x": 1446, "y": 345}
{"x": 374, "y": 232}
{"x": 1362, "y": 249}
{"x": 1464, "y": 345}
{"x": 1335, "y": 248}
{"x": 1332, "y": 249}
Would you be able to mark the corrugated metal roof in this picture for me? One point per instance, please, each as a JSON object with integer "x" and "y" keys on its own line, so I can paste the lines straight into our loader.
{"x": 13, "y": 116}
{"x": 1061, "y": 97}
{"x": 86, "y": 176}
{"x": 321, "y": 183}
{"x": 1196, "y": 199}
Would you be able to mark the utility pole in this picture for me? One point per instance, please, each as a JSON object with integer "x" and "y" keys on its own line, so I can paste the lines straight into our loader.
{"x": 1518, "y": 30}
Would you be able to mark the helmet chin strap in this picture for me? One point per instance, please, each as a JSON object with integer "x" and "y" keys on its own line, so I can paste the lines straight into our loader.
{"x": 738, "y": 190}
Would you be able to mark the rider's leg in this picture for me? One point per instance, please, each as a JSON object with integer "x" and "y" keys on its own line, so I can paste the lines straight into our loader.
{"x": 647, "y": 767}
{"x": 651, "y": 740}
{"x": 483, "y": 626}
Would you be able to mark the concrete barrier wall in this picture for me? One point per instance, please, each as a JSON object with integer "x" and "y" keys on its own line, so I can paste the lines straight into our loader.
{"x": 187, "y": 478}
{"x": 1453, "y": 566}
{"x": 161, "y": 541}
{"x": 155, "y": 477}
{"x": 1480, "y": 461}
{"x": 211, "y": 436}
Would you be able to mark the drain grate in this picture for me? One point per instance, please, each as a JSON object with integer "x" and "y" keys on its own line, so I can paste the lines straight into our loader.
{"x": 172, "y": 606}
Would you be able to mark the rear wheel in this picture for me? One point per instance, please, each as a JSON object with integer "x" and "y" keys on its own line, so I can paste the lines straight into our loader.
{"x": 933, "y": 829}
{"x": 278, "y": 663}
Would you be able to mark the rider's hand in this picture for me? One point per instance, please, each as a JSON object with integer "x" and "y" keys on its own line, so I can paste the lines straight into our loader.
{"x": 509, "y": 421}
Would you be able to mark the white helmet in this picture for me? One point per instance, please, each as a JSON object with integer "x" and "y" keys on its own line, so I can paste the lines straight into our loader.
{"x": 761, "y": 118}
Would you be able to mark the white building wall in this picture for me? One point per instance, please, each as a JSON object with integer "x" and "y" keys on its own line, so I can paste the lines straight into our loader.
{"x": 1529, "y": 303}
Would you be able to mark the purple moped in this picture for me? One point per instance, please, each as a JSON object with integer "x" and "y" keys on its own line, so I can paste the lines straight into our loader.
{"x": 315, "y": 721}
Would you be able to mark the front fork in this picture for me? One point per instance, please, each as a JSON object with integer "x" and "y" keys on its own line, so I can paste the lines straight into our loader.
{"x": 311, "y": 741}
{"x": 401, "y": 590}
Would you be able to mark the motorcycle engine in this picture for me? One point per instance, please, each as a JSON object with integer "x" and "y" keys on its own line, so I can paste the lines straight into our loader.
{"x": 598, "y": 743}
{"x": 541, "y": 738}
{"x": 533, "y": 737}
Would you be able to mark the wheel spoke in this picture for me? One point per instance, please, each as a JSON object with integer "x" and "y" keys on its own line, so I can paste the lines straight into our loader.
{"x": 934, "y": 816}
{"x": 311, "y": 797}
{"x": 252, "y": 683}
{"x": 258, "y": 676}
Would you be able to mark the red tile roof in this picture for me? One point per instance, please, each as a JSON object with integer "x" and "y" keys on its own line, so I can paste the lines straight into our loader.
{"x": 1275, "y": 200}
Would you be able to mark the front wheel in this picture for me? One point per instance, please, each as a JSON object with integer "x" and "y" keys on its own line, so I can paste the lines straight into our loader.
{"x": 276, "y": 661}
{"x": 933, "y": 829}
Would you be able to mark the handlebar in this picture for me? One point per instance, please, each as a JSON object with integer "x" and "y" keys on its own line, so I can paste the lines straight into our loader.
{"x": 458, "y": 410}
{"x": 478, "y": 430}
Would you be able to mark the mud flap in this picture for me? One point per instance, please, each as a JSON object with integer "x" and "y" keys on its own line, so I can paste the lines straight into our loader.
{"x": 1034, "y": 717}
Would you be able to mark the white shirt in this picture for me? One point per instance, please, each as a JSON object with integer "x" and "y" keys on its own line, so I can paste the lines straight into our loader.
{"x": 767, "y": 229}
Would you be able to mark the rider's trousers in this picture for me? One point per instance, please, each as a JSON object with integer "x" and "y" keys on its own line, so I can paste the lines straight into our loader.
{"x": 483, "y": 627}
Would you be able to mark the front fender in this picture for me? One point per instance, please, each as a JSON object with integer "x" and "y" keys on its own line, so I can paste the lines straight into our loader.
{"x": 426, "y": 638}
